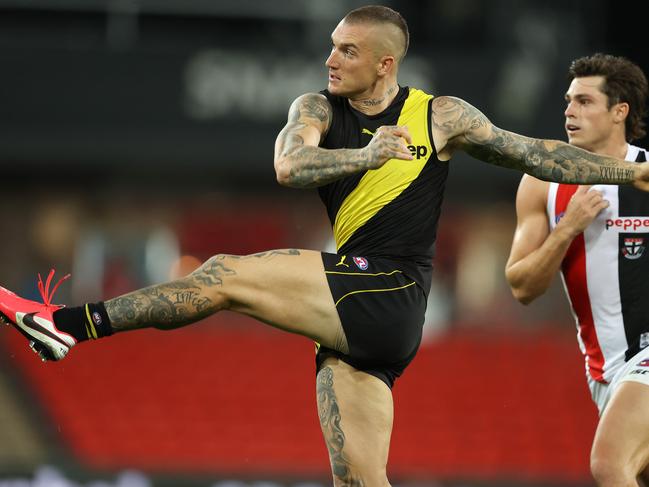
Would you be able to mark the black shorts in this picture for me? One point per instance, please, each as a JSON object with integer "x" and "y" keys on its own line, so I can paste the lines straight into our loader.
{"x": 382, "y": 314}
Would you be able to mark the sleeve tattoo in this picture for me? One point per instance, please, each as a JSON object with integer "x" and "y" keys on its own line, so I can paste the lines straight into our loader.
{"x": 549, "y": 160}
{"x": 311, "y": 166}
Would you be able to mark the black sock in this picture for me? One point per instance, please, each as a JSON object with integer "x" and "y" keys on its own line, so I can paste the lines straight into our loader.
{"x": 85, "y": 322}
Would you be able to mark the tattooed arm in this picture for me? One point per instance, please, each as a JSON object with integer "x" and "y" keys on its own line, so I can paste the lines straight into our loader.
{"x": 300, "y": 163}
{"x": 459, "y": 126}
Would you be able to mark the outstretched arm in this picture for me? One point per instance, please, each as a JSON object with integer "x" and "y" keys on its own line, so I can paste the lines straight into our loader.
{"x": 457, "y": 125}
{"x": 300, "y": 163}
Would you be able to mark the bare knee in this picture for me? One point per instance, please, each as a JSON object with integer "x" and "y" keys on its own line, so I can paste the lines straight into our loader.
{"x": 193, "y": 297}
{"x": 611, "y": 472}
{"x": 214, "y": 270}
{"x": 212, "y": 278}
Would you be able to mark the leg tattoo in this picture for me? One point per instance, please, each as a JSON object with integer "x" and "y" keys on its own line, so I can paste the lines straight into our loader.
{"x": 329, "y": 414}
{"x": 212, "y": 272}
{"x": 181, "y": 302}
{"x": 165, "y": 306}
{"x": 170, "y": 305}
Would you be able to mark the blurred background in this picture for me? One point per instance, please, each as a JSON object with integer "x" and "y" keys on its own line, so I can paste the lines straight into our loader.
{"x": 136, "y": 140}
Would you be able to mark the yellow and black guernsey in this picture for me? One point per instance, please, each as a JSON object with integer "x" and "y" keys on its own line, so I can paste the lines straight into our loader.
{"x": 385, "y": 224}
{"x": 391, "y": 212}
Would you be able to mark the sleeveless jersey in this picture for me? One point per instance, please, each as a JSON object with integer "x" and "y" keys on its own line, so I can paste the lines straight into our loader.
{"x": 606, "y": 274}
{"x": 390, "y": 212}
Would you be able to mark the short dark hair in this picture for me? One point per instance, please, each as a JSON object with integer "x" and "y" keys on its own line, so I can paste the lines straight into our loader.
{"x": 381, "y": 14}
{"x": 624, "y": 82}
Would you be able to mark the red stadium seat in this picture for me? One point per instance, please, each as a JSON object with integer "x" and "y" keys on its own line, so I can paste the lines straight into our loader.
{"x": 229, "y": 396}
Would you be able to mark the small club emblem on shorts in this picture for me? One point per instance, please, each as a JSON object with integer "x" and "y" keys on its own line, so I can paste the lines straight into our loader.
{"x": 633, "y": 248}
{"x": 361, "y": 263}
{"x": 96, "y": 317}
{"x": 643, "y": 363}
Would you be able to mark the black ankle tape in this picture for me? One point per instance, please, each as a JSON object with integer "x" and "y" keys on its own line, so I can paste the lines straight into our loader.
{"x": 87, "y": 322}
{"x": 97, "y": 321}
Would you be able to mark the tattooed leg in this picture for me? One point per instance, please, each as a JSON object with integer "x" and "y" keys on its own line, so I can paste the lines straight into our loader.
{"x": 174, "y": 304}
{"x": 329, "y": 414}
{"x": 181, "y": 302}
{"x": 355, "y": 412}
{"x": 285, "y": 288}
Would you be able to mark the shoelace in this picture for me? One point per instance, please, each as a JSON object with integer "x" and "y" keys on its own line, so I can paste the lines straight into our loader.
{"x": 45, "y": 289}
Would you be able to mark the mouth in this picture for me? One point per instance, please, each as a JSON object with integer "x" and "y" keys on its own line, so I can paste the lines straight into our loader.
{"x": 333, "y": 78}
{"x": 572, "y": 129}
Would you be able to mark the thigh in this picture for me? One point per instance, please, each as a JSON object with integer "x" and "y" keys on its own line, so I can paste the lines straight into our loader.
{"x": 284, "y": 288}
{"x": 623, "y": 431}
{"x": 356, "y": 413}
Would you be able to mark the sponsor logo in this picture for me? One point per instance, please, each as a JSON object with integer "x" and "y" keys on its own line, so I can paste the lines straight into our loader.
{"x": 418, "y": 151}
{"x": 96, "y": 317}
{"x": 633, "y": 248}
{"x": 342, "y": 261}
{"x": 643, "y": 363}
{"x": 638, "y": 371}
{"x": 361, "y": 263}
{"x": 629, "y": 223}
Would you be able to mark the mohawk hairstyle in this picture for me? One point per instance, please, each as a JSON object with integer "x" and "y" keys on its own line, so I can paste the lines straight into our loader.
{"x": 381, "y": 15}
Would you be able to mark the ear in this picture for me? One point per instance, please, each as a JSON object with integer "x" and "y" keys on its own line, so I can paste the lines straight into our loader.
{"x": 620, "y": 111}
{"x": 385, "y": 65}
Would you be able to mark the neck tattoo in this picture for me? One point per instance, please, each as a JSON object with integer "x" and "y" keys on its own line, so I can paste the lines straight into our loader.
{"x": 372, "y": 102}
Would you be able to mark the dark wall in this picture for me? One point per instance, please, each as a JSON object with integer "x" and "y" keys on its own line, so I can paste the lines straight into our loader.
{"x": 199, "y": 96}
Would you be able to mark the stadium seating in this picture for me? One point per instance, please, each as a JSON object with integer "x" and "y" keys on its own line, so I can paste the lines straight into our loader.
{"x": 231, "y": 396}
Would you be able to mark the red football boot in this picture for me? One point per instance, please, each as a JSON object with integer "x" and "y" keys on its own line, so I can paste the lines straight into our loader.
{"x": 34, "y": 320}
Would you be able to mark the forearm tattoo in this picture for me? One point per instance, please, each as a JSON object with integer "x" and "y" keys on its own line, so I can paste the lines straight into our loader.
{"x": 549, "y": 160}
{"x": 312, "y": 166}
{"x": 318, "y": 167}
{"x": 183, "y": 301}
{"x": 330, "y": 417}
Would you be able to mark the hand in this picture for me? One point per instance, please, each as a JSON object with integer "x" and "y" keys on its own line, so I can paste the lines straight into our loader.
{"x": 389, "y": 142}
{"x": 641, "y": 180}
{"x": 582, "y": 209}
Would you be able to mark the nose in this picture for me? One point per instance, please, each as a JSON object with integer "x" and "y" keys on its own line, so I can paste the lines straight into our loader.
{"x": 569, "y": 112}
{"x": 332, "y": 61}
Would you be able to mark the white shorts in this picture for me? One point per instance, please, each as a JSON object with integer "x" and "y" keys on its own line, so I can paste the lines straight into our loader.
{"x": 635, "y": 370}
